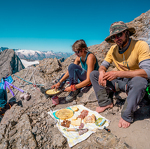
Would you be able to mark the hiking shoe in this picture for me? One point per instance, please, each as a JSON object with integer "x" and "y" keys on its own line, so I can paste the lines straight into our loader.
{"x": 72, "y": 95}
{"x": 84, "y": 90}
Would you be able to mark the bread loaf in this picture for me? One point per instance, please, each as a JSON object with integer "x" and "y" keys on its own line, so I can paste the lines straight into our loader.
{"x": 90, "y": 119}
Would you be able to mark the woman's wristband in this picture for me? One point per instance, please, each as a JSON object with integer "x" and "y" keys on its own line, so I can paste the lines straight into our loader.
{"x": 76, "y": 87}
{"x": 59, "y": 82}
{"x": 73, "y": 88}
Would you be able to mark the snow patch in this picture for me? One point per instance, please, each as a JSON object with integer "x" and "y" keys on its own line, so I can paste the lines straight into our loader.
{"x": 28, "y": 63}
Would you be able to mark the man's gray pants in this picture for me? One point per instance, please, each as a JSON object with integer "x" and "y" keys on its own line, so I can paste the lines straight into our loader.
{"x": 136, "y": 88}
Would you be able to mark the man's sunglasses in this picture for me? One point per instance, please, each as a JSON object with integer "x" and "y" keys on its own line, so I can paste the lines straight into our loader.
{"x": 117, "y": 35}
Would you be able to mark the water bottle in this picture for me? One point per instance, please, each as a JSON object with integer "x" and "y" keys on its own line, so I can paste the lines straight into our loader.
{"x": 148, "y": 91}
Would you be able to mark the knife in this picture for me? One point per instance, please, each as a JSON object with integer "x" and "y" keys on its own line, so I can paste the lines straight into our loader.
{"x": 74, "y": 129}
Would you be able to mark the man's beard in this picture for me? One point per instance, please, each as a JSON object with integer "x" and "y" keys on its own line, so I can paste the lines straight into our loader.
{"x": 122, "y": 44}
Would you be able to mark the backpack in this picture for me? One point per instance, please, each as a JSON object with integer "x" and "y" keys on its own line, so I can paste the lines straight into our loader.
{"x": 3, "y": 98}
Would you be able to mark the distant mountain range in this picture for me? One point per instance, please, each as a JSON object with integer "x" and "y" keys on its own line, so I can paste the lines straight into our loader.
{"x": 32, "y": 55}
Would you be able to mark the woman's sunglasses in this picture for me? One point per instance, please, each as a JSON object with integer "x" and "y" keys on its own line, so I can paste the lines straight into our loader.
{"x": 117, "y": 35}
{"x": 77, "y": 52}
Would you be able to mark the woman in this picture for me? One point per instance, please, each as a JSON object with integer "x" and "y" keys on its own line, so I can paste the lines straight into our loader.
{"x": 75, "y": 72}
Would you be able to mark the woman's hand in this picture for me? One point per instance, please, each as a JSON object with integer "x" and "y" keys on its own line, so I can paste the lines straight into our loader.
{"x": 68, "y": 89}
{"x": 56, "y": 86}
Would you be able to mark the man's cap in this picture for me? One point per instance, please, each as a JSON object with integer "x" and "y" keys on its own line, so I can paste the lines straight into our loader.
{"x": 118, "y": 27}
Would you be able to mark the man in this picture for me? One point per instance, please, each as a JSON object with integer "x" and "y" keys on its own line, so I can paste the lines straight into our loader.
{"x": 132, "y": 60}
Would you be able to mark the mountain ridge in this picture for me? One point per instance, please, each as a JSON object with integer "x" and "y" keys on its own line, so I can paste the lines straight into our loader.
{"x": 32, "y": 55}
{"x": 40, "y": 55}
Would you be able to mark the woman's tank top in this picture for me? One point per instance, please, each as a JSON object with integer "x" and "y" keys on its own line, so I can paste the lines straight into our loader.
{"x": 84, "y": 65}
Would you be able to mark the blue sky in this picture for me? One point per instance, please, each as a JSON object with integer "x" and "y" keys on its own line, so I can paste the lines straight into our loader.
{"x": 46, "y": 25}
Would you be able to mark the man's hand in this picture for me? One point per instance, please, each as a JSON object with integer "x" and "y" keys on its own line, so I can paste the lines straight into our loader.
{"x": 111, "y": 75}
{"x": 101, "y": 79}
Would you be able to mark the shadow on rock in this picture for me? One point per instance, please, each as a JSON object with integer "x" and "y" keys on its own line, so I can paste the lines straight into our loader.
{"x": 142, "y": 113}
{"x": 13, "y": 101}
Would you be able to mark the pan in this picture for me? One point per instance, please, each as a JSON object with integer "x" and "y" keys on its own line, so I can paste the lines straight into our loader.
{"x": 52, "y": 92}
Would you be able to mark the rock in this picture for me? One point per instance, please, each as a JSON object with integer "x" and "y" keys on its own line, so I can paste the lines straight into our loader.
{"x": 92, "y": 97}
{"x": 50, "y": 121}
{"x": 21, "y": 135}
{"x": 58, "y": 141}
{"x": 9, "y": 63}
{"x": 48, "y": 66}
{"x": 13, "y": 123}
{"x": 12, "y": 132}
{"x": 2, "y": 129}
{"x": 1, "y": 137}
{"x": 88, "y": 97}
{"x": 34, "y": 129}
{"x": 43, "y": 115}
{"x": 4, "y": 144}
{"x": 62, "y": 59}
{"x": 38, "y": 138}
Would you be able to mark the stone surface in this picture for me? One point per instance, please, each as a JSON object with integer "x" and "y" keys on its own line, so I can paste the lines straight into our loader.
{"x": 9, "y": 63}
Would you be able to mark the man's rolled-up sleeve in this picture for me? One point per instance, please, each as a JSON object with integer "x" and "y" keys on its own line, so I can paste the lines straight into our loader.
{"x": 145, "y": 65}
{"x": 105, "y": 64}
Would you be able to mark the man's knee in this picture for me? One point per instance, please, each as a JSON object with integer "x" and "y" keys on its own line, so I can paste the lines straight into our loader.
{"x": 93, "y": 74}
{"x": 139, "y": 82}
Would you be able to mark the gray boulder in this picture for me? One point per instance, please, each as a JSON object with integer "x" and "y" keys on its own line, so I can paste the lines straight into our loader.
{"x": 9, "y": 63}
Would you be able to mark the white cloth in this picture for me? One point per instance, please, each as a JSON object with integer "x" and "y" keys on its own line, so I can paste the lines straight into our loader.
{"x": 73, "y": 137}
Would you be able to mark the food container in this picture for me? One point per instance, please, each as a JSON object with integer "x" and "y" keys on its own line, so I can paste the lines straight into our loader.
{"x": 100, "y": 121}
{"x": 55, "y": 100}
{"x": 67, "y": 82}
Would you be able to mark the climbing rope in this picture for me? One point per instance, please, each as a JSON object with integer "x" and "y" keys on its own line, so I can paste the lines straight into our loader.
{"x": 27, "y": 81}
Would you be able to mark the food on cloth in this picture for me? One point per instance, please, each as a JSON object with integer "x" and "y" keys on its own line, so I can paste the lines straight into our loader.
{"x": 100, "y": 121}
{"x": 81, "y": 126}
{"x": 83, "y": 114}
{"x": 82, "y": 131}
{"x": 64, "y": 114}
{"x": 76, "y": 122}
{"x": 90, "y": 119}
{"x": 52, "y": 91}
{"x": 66, "y": 123}
{"x": 75, "y": 109}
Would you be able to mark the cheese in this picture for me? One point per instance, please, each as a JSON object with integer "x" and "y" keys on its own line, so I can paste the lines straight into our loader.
{"x": 75, "y": 109}
{"x": 73, "y": 122}
{"x": 76, "y": 122}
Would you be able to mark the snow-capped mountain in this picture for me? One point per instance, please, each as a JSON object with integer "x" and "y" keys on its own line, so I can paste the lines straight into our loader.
{"x": 40, "y": 55}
